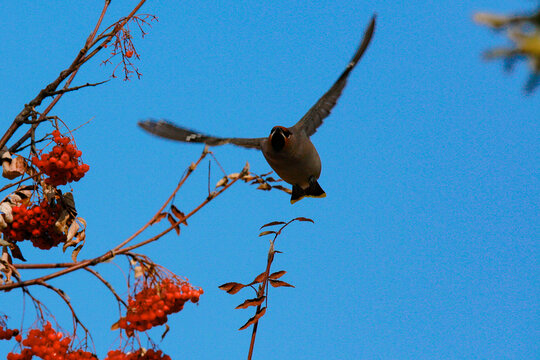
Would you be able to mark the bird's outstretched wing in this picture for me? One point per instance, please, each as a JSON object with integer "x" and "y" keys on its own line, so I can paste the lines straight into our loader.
{"x": 168, "y": 130}
{"x": 315, "y": 116}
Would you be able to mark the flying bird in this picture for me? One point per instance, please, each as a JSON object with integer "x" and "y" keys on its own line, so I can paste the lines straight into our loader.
{"x": 288, "y": 150}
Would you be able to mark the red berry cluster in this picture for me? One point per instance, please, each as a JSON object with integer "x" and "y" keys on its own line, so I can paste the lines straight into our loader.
{"x": 48, "y": 344}
{"x": 151, "y": 305}
{"x": 138, "y": 355}
{"x": 62, "y": 164}
{"x": 7, "y": 334}
{"x": 36, "y": 224}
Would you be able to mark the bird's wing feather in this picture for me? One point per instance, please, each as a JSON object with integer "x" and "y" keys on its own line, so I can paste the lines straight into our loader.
{"x": 168, "y": 130}
{"x": 315, "y": 116}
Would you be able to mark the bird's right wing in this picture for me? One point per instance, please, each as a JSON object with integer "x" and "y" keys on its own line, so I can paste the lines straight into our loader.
{"x": 315, "y": 116}
{"x": 168, "y": 130}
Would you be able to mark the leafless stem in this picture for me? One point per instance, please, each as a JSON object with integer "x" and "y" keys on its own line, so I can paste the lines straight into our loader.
{"x": 18, "y": 182}
{"x": 75, "y": 88}
{"x": 64, "y": 297}
{"x": 262, "y": 289}
{"x": 107, "y": 284}
{"x": 189, "y": 170}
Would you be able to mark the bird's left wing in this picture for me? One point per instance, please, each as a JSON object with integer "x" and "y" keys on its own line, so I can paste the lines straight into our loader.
{"x": 315, "y": 116}
{"x": 169, "y": 130}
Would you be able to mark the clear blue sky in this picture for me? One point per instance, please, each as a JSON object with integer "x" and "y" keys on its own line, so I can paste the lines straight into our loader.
{"x": 426, "y": 246}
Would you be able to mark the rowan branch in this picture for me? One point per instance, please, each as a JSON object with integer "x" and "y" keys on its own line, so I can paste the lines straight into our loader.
{"x": 117, "y": 250}
{"x": 70, "y": 72}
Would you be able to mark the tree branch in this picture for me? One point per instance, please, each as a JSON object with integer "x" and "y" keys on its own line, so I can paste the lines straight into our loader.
{"x": 65, "y": 90}
{"x": 107, "y": 284}
{"x": 117, "y": 251}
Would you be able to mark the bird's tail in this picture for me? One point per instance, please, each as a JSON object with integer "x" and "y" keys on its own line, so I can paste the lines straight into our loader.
{"x": 314, "y": 190}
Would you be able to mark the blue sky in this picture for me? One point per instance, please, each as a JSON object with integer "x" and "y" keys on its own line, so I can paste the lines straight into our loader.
{"x": 425, "y": 245}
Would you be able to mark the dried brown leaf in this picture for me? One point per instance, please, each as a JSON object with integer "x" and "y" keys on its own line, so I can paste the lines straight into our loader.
{"x": 268, "y": 232}
{"x": 272, "y": 224}
{"x": 64, "y": 221}
{"x": 282, "y": 188}
{"x": 279, "y": 283}
{"x": 49, "y": 191}
{"x": 115, "y": 326}
{"x": 3, "y": 223}
{"x": 138, "y": 271}
{"x": 173, "y": 221}
{"x": 304, "y": 219}
{"x": 254, "y": 319}
{"x": 167, "y": 328}
{"x": 72, "y": 231}
{"x": 179, "y": 214}
{"x": 76, "y": 252}
{"x": 264, "y": 186}
{"x": 24, "y": 192}
{"x": 5, "y": 155}
{"x": 5, "y": 208}
{"x": 15, "y": 198}
{"x": 266, "y": 174}
{"x": 233, "y": 176}
{"x": 232, "y": 287}
{"x": 7, "y": 268}
{"x": 277, "y": 275}
{"x": 251, "y": 302}
{"x": 158, "y": 218}
{"x": 14, "y": 169}
{"x": 69, "y": 203}
{"x": 271, "y": 179}
{"x": 16, "y": 252}
{"x": 82, "y": 221}
{"x": 259, "y": 278}
{"x": 222, "y": 182}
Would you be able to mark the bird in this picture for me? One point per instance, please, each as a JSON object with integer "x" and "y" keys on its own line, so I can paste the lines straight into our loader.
{"x": 288, "y": 150}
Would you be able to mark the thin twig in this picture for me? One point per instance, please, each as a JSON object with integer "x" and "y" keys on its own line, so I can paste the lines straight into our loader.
{"x": 107, "y": 284}
{"x": 190, "y": 169}
{"x": 64, "y": 297}
{"x": 180, "y": 221}
{"x": 18, "y": 182}
{"x": 63, "y": 91}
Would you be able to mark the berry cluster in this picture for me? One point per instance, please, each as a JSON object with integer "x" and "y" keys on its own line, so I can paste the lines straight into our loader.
{"x": 7, "y": 334}
{"x": 150, "y": 354}
{"x": 36, "y": 224}
{"x": 151, "y": 305}
{"x": 48, "y": 344}
{"x": 62, "y": 164}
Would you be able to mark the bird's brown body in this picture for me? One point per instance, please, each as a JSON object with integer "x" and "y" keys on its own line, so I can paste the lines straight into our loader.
{"x": 296, "y": 162}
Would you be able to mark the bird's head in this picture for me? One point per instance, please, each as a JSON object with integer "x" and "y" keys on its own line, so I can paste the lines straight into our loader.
{"x": 279, "y": 137}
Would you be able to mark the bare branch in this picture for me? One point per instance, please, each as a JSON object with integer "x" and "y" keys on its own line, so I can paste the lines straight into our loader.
{"x": 65, "y": 90}
{"x": 64, "y": 297}
{"x": 107, "y": 284}
{"x": 116, "y": 251}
